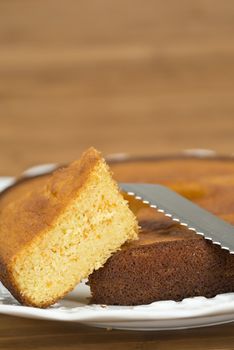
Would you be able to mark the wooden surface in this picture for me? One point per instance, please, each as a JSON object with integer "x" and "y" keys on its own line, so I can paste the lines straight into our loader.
{"x": 16, "y": 333}
{"x": 125, "y": 76}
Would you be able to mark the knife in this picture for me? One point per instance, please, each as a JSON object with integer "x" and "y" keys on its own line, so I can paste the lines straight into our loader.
{"x": 184, "y": 212}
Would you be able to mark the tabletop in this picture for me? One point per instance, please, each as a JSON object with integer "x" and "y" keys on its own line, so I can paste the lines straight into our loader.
{"x": 126, "y": 77}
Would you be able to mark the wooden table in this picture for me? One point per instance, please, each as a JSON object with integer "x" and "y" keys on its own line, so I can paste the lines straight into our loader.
{"x": 16, "y": 333}
{"x": 125, "y": 76}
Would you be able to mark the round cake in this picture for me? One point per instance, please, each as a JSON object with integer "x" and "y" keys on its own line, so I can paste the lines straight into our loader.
{"x": 169, "y": 262}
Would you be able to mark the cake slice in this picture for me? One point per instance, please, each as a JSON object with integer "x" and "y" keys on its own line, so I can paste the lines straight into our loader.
{"x": 56, "y": 231}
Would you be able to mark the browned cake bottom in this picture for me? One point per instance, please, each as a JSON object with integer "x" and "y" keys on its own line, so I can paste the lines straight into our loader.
{"x": 170, "y": 262}
{"x": 164, "y": 270}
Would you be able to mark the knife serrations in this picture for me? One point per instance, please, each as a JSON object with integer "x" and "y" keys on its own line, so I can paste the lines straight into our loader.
{"x": 184, "y": 211}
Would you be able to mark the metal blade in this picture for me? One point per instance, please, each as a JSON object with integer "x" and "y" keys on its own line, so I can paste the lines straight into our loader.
{"x": 185, "y": 212}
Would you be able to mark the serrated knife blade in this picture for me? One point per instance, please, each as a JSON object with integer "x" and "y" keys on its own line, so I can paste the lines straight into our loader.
{"x": 185, "y": 212}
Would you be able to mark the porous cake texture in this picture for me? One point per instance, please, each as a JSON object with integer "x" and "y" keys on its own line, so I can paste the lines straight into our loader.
{"x": 57, "y": 229}
{"x": 170, "y": 262}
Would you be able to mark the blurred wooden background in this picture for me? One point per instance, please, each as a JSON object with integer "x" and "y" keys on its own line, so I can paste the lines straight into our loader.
{"x": 124, "y": 76}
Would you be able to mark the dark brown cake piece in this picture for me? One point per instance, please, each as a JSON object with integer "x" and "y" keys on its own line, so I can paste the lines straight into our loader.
{"x": 169, "y": 262}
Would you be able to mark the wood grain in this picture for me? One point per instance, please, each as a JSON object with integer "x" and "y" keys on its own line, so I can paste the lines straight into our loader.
{"x": 125, "y": 76}
{"x": 21, "y": 334}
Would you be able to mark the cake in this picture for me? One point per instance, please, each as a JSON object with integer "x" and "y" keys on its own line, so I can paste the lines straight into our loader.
{"x": 57, "y": 229}
{"x": 170, "y": 262}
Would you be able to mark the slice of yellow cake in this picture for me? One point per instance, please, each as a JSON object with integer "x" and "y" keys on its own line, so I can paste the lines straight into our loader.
{"x": 56, "y": 232}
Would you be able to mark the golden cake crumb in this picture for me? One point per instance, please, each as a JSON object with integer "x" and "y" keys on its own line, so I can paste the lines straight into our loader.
{"x": 56, "y": 230}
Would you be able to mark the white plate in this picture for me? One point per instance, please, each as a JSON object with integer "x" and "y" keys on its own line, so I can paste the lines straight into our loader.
{"x": 161, "y": 315}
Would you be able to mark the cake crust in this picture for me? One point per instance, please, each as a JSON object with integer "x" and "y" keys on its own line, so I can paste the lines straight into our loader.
{"x": 163, "y": 268}
{"x": 169, "y": 262}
